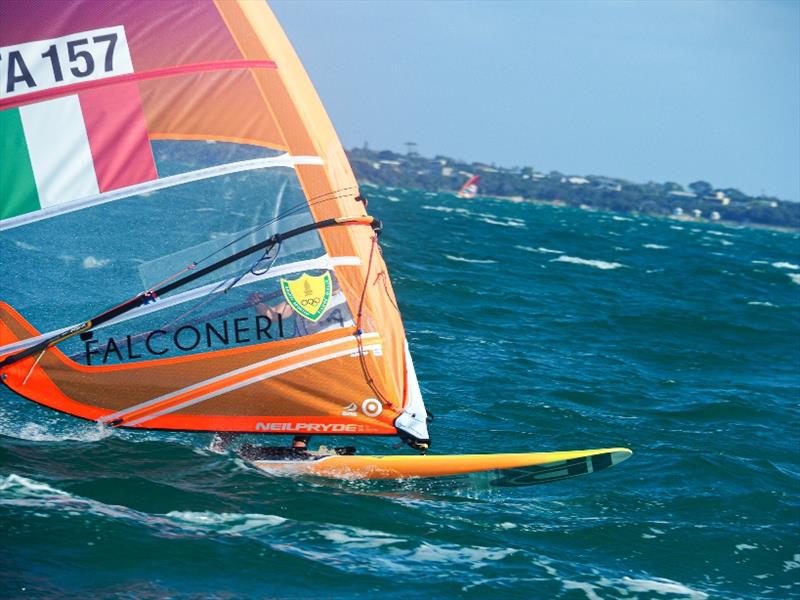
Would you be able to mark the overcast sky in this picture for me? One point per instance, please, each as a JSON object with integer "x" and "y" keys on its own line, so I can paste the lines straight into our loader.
{"x": 662, "y": 91}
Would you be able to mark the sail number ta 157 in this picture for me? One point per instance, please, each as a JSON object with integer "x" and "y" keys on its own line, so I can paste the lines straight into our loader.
{"x": 46, "y": 64}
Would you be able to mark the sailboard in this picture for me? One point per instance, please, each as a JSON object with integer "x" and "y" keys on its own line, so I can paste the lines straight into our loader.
{"x": 496, "y": 470}
{"x": 470, "y": 187}
{"x": 190, "y": 247}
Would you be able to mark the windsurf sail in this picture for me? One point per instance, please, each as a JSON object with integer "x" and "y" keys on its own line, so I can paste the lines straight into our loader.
{"x": 470, "y": 187}
{"x": 182, "y": 231}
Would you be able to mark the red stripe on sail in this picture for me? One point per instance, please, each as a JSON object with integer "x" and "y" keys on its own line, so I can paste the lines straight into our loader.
{"x": 66, "y": 90}
{"x": 117, "y": 132}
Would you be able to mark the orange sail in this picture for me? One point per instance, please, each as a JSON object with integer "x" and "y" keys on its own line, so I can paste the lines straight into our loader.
{"x": 194, "y": 249}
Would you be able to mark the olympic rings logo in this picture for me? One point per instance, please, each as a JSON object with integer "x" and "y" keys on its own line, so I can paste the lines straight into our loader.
{"x": 310, "y": 302}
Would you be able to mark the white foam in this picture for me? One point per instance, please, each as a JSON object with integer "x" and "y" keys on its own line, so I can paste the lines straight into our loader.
{"x": 53, "y": 428}
{"x": 785, "y": 265}
{"x": 791, "y": 565}
{"x": 445, "y": 209}
{"x": 393, "y": 198}
{"x": 598, "y": 264}
{"x": 22, "y": 486}
{"x": 661, "y": 586}
{"x": 480, "y": 216}
{"x": 360, "y": 538}
{"x": 655, "y": 246}
{"x": 506, "y": 223}
{"x": 39, "y": 433}
{"x": 617, "y": 218}
{"x": 794, "y": 277}
{"x": 475, "y": 556}
{"x": 26, "y": 246}
{"x": 469, "y": 260}
{"x": 90, "y": 262}
{"x": 586, "y": 588}
{"x": 677, "y": 227}
{"x": 230, "y": 523}
{"x": 21, "y": 491}
{"x": 760, "y": 262}
{"x": 741, "y": 547}
{"x": 539, "y": 250}
{"x": 755, "y": 303}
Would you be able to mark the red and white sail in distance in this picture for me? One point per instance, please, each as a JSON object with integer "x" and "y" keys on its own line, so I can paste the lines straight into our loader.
{"x": 172, "y": 189}
{"x": 470, "y": 188}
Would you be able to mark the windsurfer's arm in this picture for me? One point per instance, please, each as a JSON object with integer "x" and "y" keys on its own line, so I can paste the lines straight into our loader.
{"x": 282, "y": 308}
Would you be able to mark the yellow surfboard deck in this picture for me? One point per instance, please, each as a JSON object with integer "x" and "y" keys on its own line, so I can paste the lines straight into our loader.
{"x": 504, "y": 470}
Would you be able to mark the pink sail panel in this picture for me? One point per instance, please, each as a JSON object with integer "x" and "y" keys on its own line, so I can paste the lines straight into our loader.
{"x": 117, "y": 132}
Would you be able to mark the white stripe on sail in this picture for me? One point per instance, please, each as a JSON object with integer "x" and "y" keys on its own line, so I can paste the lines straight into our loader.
{"x": 250, "y": 381}
{"x": 234, "y": 373}
{"x": 322, "y": 262}
{"x": 85, "y": 200}
{"x": 58, "y": 147}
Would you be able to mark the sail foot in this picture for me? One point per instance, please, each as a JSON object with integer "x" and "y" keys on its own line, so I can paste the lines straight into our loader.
{"x": 282, "y": 387}
{"x": 412, "y": 423}
{"x": 413, "y": 429}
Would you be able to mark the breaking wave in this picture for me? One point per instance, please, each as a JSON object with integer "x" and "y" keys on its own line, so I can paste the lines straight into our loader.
{"x": 785, "y": 265}
{"x": 26, "y": 246}
{"x": 90, "y": 262}
{"x": 470, "y": 260}
{"x": 597, "y": 264}
{"x": 539, "y": 250}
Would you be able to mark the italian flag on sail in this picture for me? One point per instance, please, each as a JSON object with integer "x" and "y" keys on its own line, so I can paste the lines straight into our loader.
{"x": 72, "y": 147}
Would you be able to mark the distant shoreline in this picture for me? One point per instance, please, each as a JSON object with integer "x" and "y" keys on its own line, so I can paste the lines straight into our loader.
{"x": 702, "y": 203}
{"x": 671, "y": 218}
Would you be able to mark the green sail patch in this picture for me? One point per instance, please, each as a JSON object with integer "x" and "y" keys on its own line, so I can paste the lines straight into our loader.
{"x": 18, "y": 194}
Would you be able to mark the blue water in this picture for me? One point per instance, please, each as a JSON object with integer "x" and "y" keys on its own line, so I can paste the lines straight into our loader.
{"x": 533, "y": 328}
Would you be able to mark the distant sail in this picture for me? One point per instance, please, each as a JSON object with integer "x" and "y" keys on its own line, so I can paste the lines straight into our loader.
{"x": 187, "y": 229}
{"x": 470, "y": 188}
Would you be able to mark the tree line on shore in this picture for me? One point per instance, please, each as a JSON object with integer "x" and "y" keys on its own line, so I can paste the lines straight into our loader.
{"x": 444, "y": 174}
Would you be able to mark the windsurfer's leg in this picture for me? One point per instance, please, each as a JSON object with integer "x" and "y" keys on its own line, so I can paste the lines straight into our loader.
{"x": 222, "y": 441}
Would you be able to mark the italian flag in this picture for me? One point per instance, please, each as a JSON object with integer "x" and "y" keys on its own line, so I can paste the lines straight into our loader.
{"x": 74, "y": 147}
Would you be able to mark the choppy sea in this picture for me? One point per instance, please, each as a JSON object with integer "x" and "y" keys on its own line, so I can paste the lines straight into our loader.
{"x": 533, "y": 328}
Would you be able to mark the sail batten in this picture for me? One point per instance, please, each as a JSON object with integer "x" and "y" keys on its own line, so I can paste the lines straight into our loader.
{"x": 321, "y": 263}
{"x": 200, "y": 166}
{"x": 284, "y": 160}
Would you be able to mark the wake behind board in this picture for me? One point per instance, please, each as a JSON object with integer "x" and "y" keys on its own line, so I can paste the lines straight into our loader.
{"x": 501, "y": 470}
